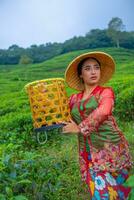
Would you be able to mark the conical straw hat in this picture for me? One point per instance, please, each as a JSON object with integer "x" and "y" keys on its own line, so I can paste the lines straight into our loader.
{"x": 107, "y": 69}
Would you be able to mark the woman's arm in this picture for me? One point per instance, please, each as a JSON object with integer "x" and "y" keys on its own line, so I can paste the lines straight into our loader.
{"x": 100, "y": 114}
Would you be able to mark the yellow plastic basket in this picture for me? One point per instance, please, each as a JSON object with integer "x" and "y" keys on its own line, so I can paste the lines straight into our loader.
{"x": 48, "y": 102}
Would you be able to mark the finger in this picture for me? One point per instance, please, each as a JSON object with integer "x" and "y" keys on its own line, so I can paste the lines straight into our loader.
{"x": 72, "y": 121}
{"x": 58, "y": 122}
{"x": 65, "y": 123}
{"x": 65, "y": 132}
{"x": 62, "y": 122}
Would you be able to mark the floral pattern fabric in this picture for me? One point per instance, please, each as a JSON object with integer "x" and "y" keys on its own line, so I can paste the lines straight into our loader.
{"x": 104, "y": 185}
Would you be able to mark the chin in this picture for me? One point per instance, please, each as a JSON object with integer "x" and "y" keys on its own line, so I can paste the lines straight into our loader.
{"x": 94, "y": 82}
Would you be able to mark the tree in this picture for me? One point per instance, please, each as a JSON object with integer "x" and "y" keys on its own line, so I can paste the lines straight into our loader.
{"x": 13, "y": 54}
{"x": 127, "y": 40}
{"x": 115, "y": 28}
{"x": 25, "y": 60}
{"x": 98, "y": 38}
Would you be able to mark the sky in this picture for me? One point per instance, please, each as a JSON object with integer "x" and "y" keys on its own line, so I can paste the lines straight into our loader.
{"x": 28, "y": 22}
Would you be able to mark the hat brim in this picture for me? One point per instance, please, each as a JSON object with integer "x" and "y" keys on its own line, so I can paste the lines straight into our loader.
{"x": 107, "y": 69}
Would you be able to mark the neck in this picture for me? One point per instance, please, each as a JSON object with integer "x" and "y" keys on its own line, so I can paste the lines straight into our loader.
{"x": 89, "y": 88}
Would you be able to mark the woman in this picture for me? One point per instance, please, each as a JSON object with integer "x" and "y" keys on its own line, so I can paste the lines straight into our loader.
{"x": 103, "y": 150}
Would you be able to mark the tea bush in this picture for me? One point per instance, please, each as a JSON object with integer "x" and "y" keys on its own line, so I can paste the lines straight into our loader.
{"x": 29, "y": 171}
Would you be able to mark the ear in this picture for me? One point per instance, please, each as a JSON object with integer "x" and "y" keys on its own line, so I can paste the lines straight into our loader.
{"x": 81, "y": 76}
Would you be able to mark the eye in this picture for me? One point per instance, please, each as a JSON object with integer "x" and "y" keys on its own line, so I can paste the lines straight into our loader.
{"x": 97, "y": 67}
{"x": 87, "y": 68}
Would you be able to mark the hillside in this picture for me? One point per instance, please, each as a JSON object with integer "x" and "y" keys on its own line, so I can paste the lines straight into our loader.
{"x": 50, "y": 171}
{"x": 14, "y": 78}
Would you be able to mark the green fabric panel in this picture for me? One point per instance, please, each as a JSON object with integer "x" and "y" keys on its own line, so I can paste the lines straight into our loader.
{"x": 81, "y": 140}
{"x": 107, "y": 132}
{"x": 87, "y": 145}
{"x": 76, "y": 115}
{"x": 90, "y": 106}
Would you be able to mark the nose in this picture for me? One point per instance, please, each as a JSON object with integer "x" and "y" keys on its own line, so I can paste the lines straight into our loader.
{"x": 92, "y": 70}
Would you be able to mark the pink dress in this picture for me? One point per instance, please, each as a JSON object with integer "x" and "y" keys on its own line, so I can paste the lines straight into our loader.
{"x": 103, "y": 150}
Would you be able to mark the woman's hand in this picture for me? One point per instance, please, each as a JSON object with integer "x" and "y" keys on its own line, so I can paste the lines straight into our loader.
{"x": 70, "y": 127}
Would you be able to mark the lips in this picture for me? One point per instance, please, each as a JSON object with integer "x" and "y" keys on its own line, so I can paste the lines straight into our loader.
{"x": 94, "y": 77}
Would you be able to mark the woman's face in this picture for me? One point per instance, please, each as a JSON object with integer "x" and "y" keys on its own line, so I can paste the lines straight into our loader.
{"x": 90, "y": 72}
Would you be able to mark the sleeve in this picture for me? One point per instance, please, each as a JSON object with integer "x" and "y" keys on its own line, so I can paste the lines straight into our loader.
{"x": 100, "y": 114}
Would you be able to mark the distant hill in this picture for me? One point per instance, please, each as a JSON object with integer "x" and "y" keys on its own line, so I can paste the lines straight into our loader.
{"x": 95, "y": 38}
{"x": 56, "y": 66}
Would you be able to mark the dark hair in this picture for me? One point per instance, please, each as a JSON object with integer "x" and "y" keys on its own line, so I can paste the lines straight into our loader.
{"x": 80, "y": 65}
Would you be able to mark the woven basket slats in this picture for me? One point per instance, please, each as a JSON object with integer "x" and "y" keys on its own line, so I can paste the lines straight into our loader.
{"x": 48, "y": 102}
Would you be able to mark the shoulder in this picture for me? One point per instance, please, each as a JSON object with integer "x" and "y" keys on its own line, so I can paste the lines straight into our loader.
{"x": 107, "y": 91}
{"x": 74, "y": 98}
